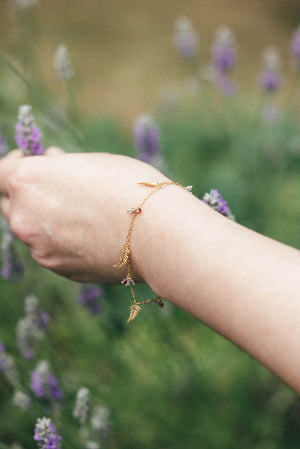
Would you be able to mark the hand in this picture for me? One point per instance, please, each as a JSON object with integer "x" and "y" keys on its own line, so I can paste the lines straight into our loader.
{"x": 70, "y": 209}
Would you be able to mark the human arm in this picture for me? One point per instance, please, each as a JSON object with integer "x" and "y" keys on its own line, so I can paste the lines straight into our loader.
{"x": 71, "y": 211}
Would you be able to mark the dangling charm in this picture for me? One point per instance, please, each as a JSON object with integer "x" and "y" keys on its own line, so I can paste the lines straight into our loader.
{"x": 133, "y": 211}
{"x": 128, "y": 281}
{"x": 134, "y": 311}
{"x": 125, "y": 252}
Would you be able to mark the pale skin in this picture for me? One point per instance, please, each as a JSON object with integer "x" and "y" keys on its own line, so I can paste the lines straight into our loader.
{"x": 70, "y": 209}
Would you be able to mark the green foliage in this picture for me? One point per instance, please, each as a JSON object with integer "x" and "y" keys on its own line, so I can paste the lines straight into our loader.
{"x": 168, "y": 381}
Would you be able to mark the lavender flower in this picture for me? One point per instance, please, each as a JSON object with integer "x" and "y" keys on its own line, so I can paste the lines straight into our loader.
{"x": 21, "y": 400}
{"x": 3, "y": 146}
{"x": 295, "y": 47}
{"x": 91, "y": 445}
{"x": 2, "y": 357}
{"x": 32, "y": 327}
{"x": 147, "y": 138}
{"x": 62, "y": 63}
{"x": 11, "y": 265}
{"x": 270, "y": 79}
{"x": 28, "y": 136}
{"x": 9, "y": 369}
{"x": 215, "y": 201}
{"x": 82, "y": 405}
{"x": 44, "y": 384}
{"x": 90, "y": 295}
{"x": 224, "y": 50}
{"x": 100, "y": 421}
{"x": 45, "y": 434}
{"x": 185, "y": 38}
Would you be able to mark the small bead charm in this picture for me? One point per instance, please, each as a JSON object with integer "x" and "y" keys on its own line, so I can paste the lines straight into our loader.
{"x": 133, "y": 211}
{"x": 127, "y": 282}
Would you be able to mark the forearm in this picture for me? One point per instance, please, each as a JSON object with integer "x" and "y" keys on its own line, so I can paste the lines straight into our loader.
{"x": 243, "y": 285}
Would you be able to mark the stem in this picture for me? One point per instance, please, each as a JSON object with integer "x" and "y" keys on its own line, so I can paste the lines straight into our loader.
{"x": 43, "y": 105}
{"x": 74, "y": 112}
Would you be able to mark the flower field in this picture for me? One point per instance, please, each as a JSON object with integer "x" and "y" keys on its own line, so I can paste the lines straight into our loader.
{"x": 73, "y": 373}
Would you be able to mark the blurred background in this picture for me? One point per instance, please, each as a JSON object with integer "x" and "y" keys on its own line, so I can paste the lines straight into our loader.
{"x": 122, "y": 51}
{"x": 209, "y": 93}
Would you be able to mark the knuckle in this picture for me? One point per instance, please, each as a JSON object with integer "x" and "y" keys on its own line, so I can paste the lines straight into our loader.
{"x": 18, "y": 179}
{"x": 53, "y": 151}
{"x": 17, "y": 226}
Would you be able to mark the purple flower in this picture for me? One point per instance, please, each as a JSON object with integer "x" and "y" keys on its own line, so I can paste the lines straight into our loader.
{"x": 215, "y": 200}
{"x": 44, "y": 384}
{"x": 224, "y": 51}
{"x": 11, "y": 265}
{"x": 55, "y": 390}
{"x": 28, "y": 136}
{"x": 32, "y": 327}
{"x": 2, "y": 356}
{"x": 185, "y": 38}
{"x": 147, "y": 137}
{"x": 45, "y": 434}
{"x": 43, "y": 320}
{"x": 90, "y": 295}
{"x": 270, "y": 78}
{"x": 295, "y": 47}
{"x": 3, "y": 146}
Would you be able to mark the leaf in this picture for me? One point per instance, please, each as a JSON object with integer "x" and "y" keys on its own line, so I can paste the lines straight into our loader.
{"x": 134, "y": 311}
{"x": 125, "y": 251}
{"x": 148, "y": 184}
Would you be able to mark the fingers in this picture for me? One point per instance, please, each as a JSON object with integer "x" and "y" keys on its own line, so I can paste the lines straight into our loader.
{"x": 54, "y": 151}
{"x": 5, "y": 207}
{"x": 7, "y": 166}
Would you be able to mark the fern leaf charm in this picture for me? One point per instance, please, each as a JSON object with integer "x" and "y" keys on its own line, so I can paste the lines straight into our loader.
{"x": 125, "y": 251}
{"x": 148, "y": 184}
{"x": 134, "y": 311}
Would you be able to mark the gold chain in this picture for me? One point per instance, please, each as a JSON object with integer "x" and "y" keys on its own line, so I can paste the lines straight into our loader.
{"x": 125, "y": 251}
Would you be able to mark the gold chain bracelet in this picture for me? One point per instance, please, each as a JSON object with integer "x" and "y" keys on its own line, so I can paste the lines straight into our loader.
{"x": 126, "y": 251}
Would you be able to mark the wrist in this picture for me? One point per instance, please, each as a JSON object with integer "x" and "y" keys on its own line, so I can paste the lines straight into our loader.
{"x": 158, "y": 242}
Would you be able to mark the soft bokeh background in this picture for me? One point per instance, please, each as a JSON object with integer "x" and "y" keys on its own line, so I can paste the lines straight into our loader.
{"x": 122, "y": 49}
{"x": 167, "y": 381}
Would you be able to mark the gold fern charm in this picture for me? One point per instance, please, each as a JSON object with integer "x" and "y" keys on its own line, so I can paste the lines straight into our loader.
{"x": 134, "y": 311}
{"x": 148, "y": 184}
{"x": 125, "y": 252}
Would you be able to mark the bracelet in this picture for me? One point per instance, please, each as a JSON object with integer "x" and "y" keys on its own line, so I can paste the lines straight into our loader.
{"x": 126, "y": 251}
